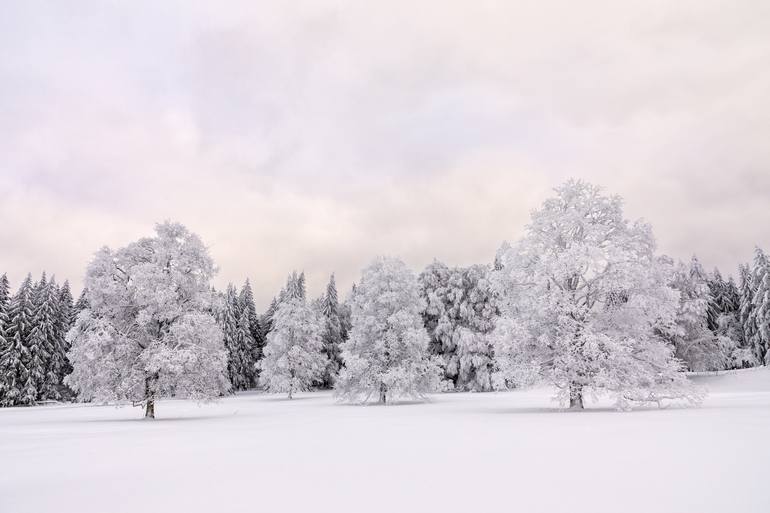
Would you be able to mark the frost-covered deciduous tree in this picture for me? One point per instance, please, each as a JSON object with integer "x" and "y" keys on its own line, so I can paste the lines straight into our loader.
{"x": 147, "y": 332}
{"x": 386, "y": 354}
{"x": 460, "y": 313}
{"x": 293, "y": 354}
{"x": 586, "y": 300}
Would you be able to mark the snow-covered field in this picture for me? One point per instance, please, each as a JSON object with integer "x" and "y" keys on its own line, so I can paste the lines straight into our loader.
{"x": 461, "y": 452}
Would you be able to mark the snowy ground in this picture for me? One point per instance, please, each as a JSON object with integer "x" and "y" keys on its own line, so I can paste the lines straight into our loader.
{"x": 461, "y": 452}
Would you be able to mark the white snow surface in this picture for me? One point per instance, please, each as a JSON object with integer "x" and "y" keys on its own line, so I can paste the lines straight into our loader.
{"x": 513, "y": 451}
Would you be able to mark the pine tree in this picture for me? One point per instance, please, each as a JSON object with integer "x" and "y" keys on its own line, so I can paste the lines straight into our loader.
{"x": 256, "y": 342}
{"x": 64, "y": 322}
{"x": 387, "y": 352}
{"x": 80, "y": 305}
{"x": 233, "y": 339}
{"x": 266, "y": 321}
{"x": 66, "y": 306}
{"x": 15, "y": 360}
{"x": 332, "y": 333}
{"x": 293, "y": 357}
{"x": 301, "y": 287}
{"x": 716, "y": 305}
{"x": 295, "y": 287}
{"x": 5, "y": 300}
{"x": 46, "y": 344}
{"x": 760, "y": 307}
{"x": 746, "y": 310}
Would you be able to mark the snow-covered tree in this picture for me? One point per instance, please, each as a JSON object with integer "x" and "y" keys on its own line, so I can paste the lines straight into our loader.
{"x": 694, "y": 342}
{"x": 386, "y": 354}
{"x": 80, "y": 305}
{"x": 64, "y": 322}
{"x": 459, "y": 315}
{"x": 5, "y": 300}
{"x": 234, "y": 340}
{"x": 746, "y": 310}
{"x": 293, "y": 354}
{"x": 46, "y": 344}
{"x": 332, "y": 333}
{"x": 295, "y": 287}
{"x": 249, "y": 350}
{"x": 266, "y": 321}
{"x": 147, "y": 332}
{"x": 5, "y": 303}
{"x": 724, "y": 322}
{"x": 586, "y": 300}
{"x": 240, "y": 326}
{"x": 247, "y": 306}
{"x": 15, "y": 359}
{"x": 760, "y": 307}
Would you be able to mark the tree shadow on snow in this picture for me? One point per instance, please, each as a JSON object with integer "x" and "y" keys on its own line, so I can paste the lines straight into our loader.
{"x": 156, "y": 420}
{"x": 588, "y": 410}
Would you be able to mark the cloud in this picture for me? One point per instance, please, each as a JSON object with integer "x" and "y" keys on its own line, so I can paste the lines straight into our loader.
{"x": 315, "y": 135}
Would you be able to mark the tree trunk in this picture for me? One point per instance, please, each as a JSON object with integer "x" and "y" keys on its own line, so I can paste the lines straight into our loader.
{"x": 290, "y": 397}
{"x": 149, "y": 411}
{"x": 149, "y": 396}
{"x": 383, "y": 393}
{"x": 575, "y": 396}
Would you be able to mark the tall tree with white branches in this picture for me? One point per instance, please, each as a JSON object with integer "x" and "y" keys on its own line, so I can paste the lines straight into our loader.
{"x": 386, "y": 354}
{"x": 586, "y": 301}
{"x": 148, "y": 332}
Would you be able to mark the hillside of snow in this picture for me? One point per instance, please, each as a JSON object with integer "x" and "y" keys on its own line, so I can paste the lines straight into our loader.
{"x": 513, "y": 451}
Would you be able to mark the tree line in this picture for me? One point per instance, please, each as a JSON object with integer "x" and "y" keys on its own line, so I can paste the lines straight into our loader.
{"x": 581, "y": 301}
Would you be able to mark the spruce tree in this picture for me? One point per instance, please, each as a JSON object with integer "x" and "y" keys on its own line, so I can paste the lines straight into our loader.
{"x": 760, "y": 313}
{"x": 301, "y": 286}
{"x": 746, "y": 310}
{"x": 15, "y": 359}
{"x": 332, "y": 333}
{"x": 266, "y": 321}
{"x": 5, "y": 300}
{"x": 66, "y": 305}
{"x": 716, "y": 305}
{"x": 252, "y": 325}
{"x": 39, "y": 344}
{"x": 64, "y": 322}
{"x": 80, "y": 305}
{"x": 233, "y": 340}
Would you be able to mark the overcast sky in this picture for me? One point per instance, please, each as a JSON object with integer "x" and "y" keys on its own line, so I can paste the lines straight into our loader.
{"x": 316, "y": 135}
